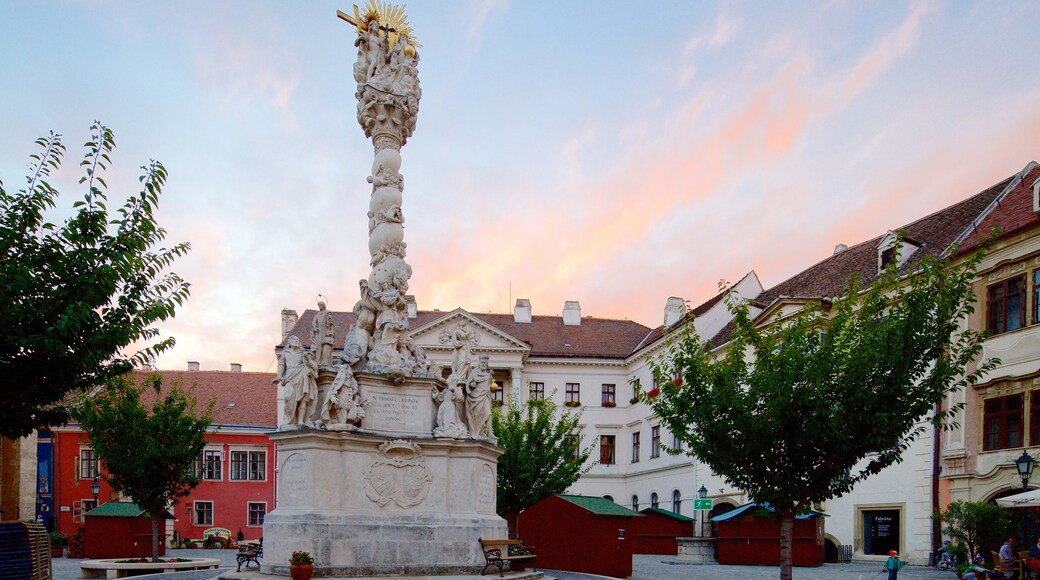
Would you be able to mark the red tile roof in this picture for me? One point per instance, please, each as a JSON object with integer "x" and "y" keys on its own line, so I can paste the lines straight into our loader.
{"x": 547, "y": 335}
{"x": 1013, "y": 213}
{"x": 242, "y": 398}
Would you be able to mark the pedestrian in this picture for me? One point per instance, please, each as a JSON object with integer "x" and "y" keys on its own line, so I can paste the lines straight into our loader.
{"x": 893, "y": 564}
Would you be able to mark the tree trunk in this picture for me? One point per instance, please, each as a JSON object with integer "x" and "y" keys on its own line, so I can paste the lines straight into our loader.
{"x": 786, "y": 545}
{"x": 155, "y": 538}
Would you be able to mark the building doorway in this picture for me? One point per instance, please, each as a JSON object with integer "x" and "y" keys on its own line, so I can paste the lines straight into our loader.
{"x": 880, "y": 531}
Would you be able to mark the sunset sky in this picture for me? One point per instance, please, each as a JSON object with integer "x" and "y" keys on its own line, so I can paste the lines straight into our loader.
{"x": 607, "y": 152}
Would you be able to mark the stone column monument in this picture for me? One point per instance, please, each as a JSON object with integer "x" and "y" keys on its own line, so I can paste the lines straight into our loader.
{"x": 368, "y": 481}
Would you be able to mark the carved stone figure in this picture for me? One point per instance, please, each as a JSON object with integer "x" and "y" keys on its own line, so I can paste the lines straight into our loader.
{"x": 323, "y": 332}
{"x": 462, "y": 339}
{"x": 344, "y": 408}
{"x": 478, "y": 400}
{"x": 448, "y": 424}
{"x": 298, "y": 375}
{"x": 359, "y": 338}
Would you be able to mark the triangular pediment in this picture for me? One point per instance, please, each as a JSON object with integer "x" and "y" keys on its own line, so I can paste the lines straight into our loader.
{"x": 489, "y": 338}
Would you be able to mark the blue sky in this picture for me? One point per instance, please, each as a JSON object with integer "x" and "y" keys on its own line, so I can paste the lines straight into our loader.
{"x": 608, "y": 152}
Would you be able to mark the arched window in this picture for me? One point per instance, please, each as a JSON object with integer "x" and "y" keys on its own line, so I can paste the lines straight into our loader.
{"x": 635, "y": 503}
{"x": 608, "y": 497}
{"x": 653, "y": 500}
{"x": 676, "y": 502}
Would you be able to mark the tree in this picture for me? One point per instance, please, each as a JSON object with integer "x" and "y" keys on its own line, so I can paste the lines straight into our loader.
{"x": 543, "y": 454}
{"x": 77, "y": 295}
{"x": 842, "y": 388}
{"x": 148, "y": 452}
{"x": 975, "y": 524}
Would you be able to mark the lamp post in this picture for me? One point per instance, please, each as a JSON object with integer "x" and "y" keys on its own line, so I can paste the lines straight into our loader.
{"x": 1025, "y": 465}
{"x": 95, "y": 488}
{"x": 702, "y": 493}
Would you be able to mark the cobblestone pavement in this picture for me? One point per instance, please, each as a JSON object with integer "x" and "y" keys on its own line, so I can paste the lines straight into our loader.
{"x": 644, "y": 567}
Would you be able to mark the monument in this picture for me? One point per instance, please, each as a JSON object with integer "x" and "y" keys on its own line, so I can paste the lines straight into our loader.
{"x": 383, "y": 468}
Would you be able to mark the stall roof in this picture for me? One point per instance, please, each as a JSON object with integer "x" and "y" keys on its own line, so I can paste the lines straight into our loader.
{"x": 122, "y": 509}
{"x": 666, "y": 513}
{"x": 599, "y": 505}
{"x": 764, "y": 507}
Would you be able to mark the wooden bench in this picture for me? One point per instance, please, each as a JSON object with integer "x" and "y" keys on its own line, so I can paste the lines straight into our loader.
{"x": 250, "y": 553}
{"x": 493, "y": 554}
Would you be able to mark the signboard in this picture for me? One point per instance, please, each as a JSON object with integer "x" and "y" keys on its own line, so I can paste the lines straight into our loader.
{"x": 702, "y": 504}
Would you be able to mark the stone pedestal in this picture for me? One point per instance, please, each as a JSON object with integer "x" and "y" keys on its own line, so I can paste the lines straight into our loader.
{"x": 697, "y": 550}
{"x": 389, "y": 499}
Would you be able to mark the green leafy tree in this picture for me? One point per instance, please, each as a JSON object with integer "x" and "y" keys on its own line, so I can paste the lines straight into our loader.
{"x": 77, "y": 295}
{"x": 543, "y": 453}
{"x": 975, "y": 524}
{"x": 841, "y": 392}
{"x": 148, "y": 451}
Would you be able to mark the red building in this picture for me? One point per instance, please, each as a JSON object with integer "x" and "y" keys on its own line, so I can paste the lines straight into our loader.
{"x": 580, "y": 534}
{"x": 237, "y": 465}
{"x": 751, "y": 535}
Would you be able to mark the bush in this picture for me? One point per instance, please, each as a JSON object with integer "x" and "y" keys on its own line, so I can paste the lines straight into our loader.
{"x": 58, "y": 539}
{"x": 76, "y": 544}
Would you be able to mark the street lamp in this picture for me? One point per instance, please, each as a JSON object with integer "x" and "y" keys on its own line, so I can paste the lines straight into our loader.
{"x": 702, "y": 493}
{"x": 1025, "y": 465}
{"x": 95, "y": 488}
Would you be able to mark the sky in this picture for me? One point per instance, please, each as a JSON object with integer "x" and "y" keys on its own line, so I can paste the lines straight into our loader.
{"x": 614, "y": 153}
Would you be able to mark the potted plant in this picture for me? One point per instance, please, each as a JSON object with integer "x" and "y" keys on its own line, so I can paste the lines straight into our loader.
{"x": 75, "y": 544}
{"x": 652, "y": 393}
{"x": 609, "y": 404}
{"x": 58, "y": 541}
{"x": 301, "y": 565}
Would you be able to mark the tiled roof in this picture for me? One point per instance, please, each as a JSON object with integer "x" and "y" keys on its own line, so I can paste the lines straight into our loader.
{"x": 696, "y": 311}
{"x": 829, "y": 277}
{"x": 598, "y": 505}
{"x": 547, "y": 335}
{"x": 1013, "y": 213}
{"x": 242, "y": 398}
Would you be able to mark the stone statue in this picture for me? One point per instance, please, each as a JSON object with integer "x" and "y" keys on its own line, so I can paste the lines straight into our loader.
{"x": 388, "y": 94}
{"x": 448, "y": 424}
{"x": 478, "y": 400}
{"x": 323, "y": 332}
{"x": 462, "y": 340}
{"x": 298, "y": 375}
{"x": 344, "y": 408}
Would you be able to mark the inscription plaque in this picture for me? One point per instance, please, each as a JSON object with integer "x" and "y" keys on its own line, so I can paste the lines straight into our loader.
{"x": 392, "y": 409}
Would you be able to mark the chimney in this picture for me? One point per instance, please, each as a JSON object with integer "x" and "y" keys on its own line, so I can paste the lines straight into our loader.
{"x": 193, "y": 366}
{"x": 522, "y": 311}
{"x": 236, "y": 367}
{"x": 840, "y": 248}
{"x": 674, "y": 310}
{"x": 413, "y": 309}
{"x": 571, "y": 313}
{"x": 289, "y": 318}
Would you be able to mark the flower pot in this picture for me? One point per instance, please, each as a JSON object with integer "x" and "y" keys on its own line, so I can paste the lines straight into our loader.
{"x": 57, "y": 551}
{"x": 301, "y": 571}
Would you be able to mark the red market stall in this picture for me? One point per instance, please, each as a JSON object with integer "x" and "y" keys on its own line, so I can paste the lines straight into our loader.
{"x": 751, "y": 535}
{"x": 577, "y": 533}
{"x": 120, "y": 529}
{"x": 657, "y": 532}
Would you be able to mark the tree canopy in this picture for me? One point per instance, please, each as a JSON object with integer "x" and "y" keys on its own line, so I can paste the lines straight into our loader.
{"x": 148, "y": 451}
{"x": 543, "y": 453}
{"x": 77, "y": 295}
{"x": 841, "y": 388}
{"x": 976, "y": 524}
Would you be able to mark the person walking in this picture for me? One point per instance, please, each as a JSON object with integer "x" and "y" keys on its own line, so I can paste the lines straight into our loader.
{"x": 893, "y": 564}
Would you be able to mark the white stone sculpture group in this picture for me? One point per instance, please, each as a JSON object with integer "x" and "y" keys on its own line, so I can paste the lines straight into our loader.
{"x": 465, "y": 384}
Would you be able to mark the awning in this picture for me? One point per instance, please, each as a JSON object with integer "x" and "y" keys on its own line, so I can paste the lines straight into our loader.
{"x": 1021, "y": 500}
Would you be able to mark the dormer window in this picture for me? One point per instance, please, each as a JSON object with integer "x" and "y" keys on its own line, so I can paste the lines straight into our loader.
{"x": 887, "y": 257}
{"x": 893, "y": 250}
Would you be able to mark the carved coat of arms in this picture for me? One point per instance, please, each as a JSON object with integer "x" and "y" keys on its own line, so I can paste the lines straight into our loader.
{"x": 398, "y": 475}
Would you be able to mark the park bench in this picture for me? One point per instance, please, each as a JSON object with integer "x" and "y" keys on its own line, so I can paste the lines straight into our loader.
{"x": 250, "y": 553}
{"x": 496, "y": 553}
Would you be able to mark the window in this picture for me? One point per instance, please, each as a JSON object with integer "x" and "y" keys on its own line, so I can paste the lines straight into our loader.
{"x": 257, "y": 465}
{"x": 637, "y": 387}
{"x": 635, "y": 447}
{"x": 606, "y": 449}
{"x": 1006, "y": 305}
{"x": 635, "y": 503}
{"x": 257, "y": 511}
{"x": 239, "y": 463}
{"x": 1002, "y": 423}
{"x": 89, "y": 467}
{"x": 80, "y": 508}
{"x": 498, "y": 393}
{"x": 676, "y": 443}
{"x": 573, "y": 392}
{"x": 537, "y": 391}
{"x": 1034, "y": 418}
{"x": 676, "y": 502}
{"x": 887, "y": 257}
{"x": 653, "y": 500}
{"x": 203, "y": 515}
{"x": 608, "y": 497}
{"x": 196, "y": 468}
{"x": 655, "y": 441}
{"x": 211, "y": 465}
{"x": 1036, "y": 296}
{"x": 609, "y": 395}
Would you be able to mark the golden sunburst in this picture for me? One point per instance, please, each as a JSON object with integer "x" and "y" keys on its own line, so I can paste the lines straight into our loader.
{"x": 393, "y": 22}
